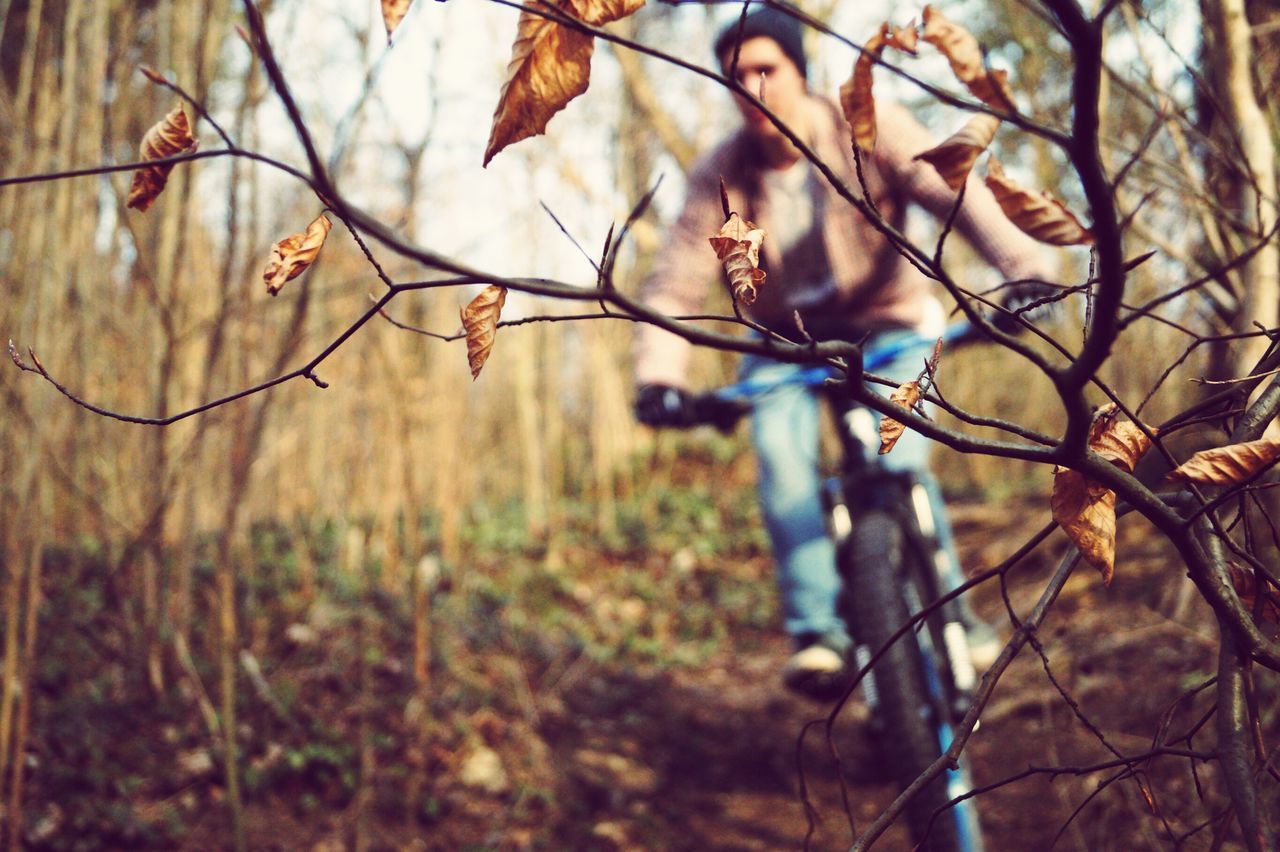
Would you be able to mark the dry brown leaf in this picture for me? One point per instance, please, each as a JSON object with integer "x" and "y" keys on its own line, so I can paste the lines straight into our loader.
{"x": 171, "y": 135}
{"x": 738, "y": 247}
{"x": 905, "y": 38}
{"x": 550, "y": 66}
{"x": 907, "y": 395}
{"x": 1038, "y": 214}
{"x": 291, "y": 256}
{"x": 965, "y": 55}
{"x": 993, "y": 90}
{"x": 1123, "y": 444}
{"x": 480, "y": 319}
{"x": 1087, "y": 514}
{"x": 954, "y": 158}
{"x": 855, "y": 95}
{"x": 393, "y": 12}
{"x": 1230, "y": 465}
{"x": 1085, "y": 509}
{"x": 1245, "y": 582}
{"x": 956, "y": 43}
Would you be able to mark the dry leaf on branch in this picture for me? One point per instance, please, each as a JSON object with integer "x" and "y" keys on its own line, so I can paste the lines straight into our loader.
{"x": 1087, "y": 514}
{"x": 965, "y": 55}
{"x": 1038, "y": 214}
{"x": 550, "y": 66}
{"x": 994, "y": 91}
{"x": 738, "y": 247}
{"x": 954, "y": 158}
{"x": 291, "y": 256}
{"x": 956, "y": 43}
{"x": 855, "y": 95}
{"x": 905, "y": 38}
{"x": 1124, "y": 444}
{"x": 1086, "y": 510}
{"x": 1245, "y": 582}
{"x": 1230, "y": 465}
{"x": 907, "y": 395}
{"x": 480, "y": 319}
{"x": 169, "y": 136}
{"x": 393, "y": 12}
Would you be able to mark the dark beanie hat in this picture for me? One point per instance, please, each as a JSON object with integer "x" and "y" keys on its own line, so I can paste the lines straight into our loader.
{"x": 770, "y": 23}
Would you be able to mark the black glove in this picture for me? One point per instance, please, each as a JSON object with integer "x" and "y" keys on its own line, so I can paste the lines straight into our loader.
{"x": 723, "y": 414}
{"x": 664, "y": 406}
{"x": 1032, "y": 301}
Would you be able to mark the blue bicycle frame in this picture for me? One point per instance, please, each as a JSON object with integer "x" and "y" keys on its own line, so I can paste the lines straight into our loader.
{"x": 873, "y": 358}
{"x": 945, "y": 667}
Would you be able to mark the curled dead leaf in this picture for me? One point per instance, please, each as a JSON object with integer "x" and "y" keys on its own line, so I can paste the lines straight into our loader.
{"x": 291, "y": 256}
{"x": 993, "y": 90}
{"x": 964, "y": 53}
{"x": 1123, "y": 444}
{"x": 393, "y": 12}
{"x": 906, "y": 395}
{"x": 1245, "y": 582}
{"x": 856, "y": 100}
{"x": 1230, "y": 465}
{"x": 1085, "y": 509}
{"x": 480, "y": 319}
{"x": 956, "y": 43}
{"x": 738, "y": 248}
{"x": 906, "y": 39}
{"x": 1038, "y": 214}
{"x": 550, "y": 66}
{"x": 954, "y": 158}
{"x": 855, "y": 95}
{"x": 1086, "y": 512}
{"x": 167, "y": 137}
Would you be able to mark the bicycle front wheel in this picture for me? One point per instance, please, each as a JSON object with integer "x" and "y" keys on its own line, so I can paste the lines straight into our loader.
{"x": 910, "y": 729}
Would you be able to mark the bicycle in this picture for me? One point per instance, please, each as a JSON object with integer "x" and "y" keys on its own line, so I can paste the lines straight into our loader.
{"x": 891, "y": 564}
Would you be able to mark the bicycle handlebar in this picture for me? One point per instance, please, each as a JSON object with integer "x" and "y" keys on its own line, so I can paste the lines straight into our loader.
{"x": 723, "y": 406}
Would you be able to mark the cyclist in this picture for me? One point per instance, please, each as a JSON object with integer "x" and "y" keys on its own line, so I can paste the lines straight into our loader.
{"x": 830, "y": 266}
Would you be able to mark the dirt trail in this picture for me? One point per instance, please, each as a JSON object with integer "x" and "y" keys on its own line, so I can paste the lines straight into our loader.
{"x": 705, "y": 758}
{"x": 716, "y": 750}
{"x": 617, "y": 756}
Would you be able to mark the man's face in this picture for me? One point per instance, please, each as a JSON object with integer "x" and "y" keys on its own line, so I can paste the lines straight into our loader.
{"x": 784, "y": 88}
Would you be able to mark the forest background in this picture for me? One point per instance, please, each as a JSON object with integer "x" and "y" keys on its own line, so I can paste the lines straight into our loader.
{"x": 403, "y": 594}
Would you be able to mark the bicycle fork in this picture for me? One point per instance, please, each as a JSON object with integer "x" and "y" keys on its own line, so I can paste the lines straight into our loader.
{"x": 954, "y": 635}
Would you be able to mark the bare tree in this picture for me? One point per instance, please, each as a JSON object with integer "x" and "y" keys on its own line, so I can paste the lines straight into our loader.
{"x": 1205, "y": 515}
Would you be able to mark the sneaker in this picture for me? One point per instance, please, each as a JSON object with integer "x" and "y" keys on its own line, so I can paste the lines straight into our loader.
{"x": 817, "y": 669}
{"x": 985, "y": 644}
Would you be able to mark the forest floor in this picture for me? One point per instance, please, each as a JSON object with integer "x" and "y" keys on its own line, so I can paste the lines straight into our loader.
{"x": 649, "y": 718}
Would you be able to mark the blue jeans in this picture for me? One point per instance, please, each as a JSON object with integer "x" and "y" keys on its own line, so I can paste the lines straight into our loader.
{"x": 784, "y": 431}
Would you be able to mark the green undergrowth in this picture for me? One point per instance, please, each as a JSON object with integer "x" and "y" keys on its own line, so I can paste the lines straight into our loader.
{"x": 334, "y": 732}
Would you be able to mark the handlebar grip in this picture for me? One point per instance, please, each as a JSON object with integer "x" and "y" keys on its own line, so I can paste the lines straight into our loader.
{"x": 710, "y": 409}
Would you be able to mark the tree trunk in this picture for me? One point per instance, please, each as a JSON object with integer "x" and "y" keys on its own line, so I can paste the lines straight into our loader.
{"x": 1230, "y": 56}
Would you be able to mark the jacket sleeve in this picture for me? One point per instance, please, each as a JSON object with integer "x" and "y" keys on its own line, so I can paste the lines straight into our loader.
{"x": 685, "y": 267}
{"x": 980, "y": 220}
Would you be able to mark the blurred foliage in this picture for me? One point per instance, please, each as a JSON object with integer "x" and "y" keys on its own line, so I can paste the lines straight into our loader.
{"x": 114, "y": 764}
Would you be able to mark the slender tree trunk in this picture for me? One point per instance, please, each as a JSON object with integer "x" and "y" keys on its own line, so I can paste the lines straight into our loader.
{"x": 1231, "y": 54}
{"x": 25, "y": 700}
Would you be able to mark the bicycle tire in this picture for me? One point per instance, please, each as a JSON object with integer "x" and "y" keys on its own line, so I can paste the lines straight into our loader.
{"x": 873, "y": 571}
